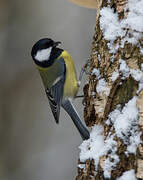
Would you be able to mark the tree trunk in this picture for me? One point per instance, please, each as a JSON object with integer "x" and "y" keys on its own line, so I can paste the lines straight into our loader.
{"x": 114, "y": 95}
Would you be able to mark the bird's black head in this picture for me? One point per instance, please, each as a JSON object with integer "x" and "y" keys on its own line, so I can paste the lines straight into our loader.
{"x": 42, "y": 49}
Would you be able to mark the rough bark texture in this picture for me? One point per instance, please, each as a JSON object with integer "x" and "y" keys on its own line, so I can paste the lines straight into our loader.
{"x": 97, "y": 108}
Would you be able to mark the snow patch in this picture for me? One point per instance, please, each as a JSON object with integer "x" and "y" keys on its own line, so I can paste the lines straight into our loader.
{"x": 129, "y": 29}
{"x": 96, "y": 72}
{"x": 110, "y": 24}
{"x": 124, "y": 69}
{"x": 135, "y": 73}
{"x": 141, "y": 50}
{"x": 110, "y": 164}
{"x": 125, "y": 122}
{"x": 91, "y": 148}
{"x": 115, "y": 75}
{"x": 102, "y": 87}
{"x": 95, "y": 147}
{"x": 81, "y": 166}
{"x": 99, "y": 57}
{"x": 141, "y": 66}
{"x": 128, "y": 175}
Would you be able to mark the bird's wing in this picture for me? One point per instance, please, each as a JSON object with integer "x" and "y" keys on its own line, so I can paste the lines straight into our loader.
{"x": 55, "y": 92}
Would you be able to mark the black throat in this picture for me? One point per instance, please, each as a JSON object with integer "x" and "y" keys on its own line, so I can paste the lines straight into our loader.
{"x": 55, "y": 53}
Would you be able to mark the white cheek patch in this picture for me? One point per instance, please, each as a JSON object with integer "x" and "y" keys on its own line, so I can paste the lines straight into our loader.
{"x": 43, "y": 55}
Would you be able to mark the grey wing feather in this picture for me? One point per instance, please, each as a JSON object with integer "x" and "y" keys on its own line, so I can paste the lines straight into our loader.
{"x": 55, "y": 93}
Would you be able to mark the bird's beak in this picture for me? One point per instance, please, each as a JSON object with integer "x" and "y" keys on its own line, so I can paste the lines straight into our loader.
{"x": 56, "y": 43}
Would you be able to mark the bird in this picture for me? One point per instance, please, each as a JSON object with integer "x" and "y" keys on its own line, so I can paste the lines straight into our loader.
{"x": 58, "y": 74}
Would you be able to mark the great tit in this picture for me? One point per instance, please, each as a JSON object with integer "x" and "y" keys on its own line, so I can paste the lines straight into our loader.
{"x": 57, "y": 70}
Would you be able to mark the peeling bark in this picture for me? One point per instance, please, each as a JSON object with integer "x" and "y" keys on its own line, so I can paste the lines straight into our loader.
{"x": 98, "y": 107}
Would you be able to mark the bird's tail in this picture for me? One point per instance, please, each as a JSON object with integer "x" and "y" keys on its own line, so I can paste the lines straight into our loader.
{"x": 69, "y": 108}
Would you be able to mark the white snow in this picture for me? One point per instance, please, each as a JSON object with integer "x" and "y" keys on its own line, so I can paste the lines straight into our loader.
{"x": 93, "y": 94}
{"x": 140, "y": 87}
{"x": 128, "y": 175}
{"x": 124, "y": 69}
{"x": 135, "y": 73}
{"x": 96, "y": 72}
{"x": 81, "y": 166}
{"x": 135, "y": 16}
{"x": 115, "y": 75}
{"x": 91, "y": 148}
{"x": 129, "y": 29}
{"x": 102, "y": 87}
{"x": 141, "y": 50}
{"x": 109, "y": 24}
{"x": 112, "y": 47}
{"x": 110, "y": 164}
{"x": 112, "y": 58}
{"x": 141, "y": 66}
{"x": 43, "y": 55}
{"x": 134, "y": 141}
{"x": 99, "y": 57}
{"x": 138, "y": 76}
{"x": 95, "y": 147}
{"x": 112, "y": 160}
{"x": 125, "y": 122}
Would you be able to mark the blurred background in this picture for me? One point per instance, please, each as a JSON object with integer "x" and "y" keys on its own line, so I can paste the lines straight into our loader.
{"x": 32, "y": 146}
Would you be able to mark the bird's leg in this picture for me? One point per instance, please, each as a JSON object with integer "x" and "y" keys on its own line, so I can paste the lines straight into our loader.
{"x": 79, "y": 96}
{"x": 83, "y": 70}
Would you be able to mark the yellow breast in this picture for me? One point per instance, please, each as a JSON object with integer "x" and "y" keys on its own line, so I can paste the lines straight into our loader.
{"x": 71, "y": 83}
